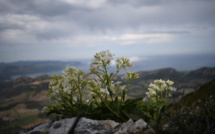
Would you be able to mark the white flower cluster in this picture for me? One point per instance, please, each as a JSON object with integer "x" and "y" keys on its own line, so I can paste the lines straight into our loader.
{"x": 101, "y": 59}
{"x": 159, "y": 90}
{"x": 130, "y": 75}
{"x": 104, "y": 84}
{"x": 73, "y": 86}
{"x": 66, "y": 85}
{"x": 124, "y": 62}
{"x": 104, "y": 91}
{"x": 103, "y": 56}
{"x": 98, "y": 88}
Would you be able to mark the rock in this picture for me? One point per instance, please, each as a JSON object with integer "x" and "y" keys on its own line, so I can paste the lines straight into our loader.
{"x": 131, "y": 127}
{"x": 88, "y": 126}
{"x": 41, "y": 129}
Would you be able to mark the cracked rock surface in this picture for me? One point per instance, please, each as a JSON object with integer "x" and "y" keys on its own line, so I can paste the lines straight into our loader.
{"x": 88, "y": 126}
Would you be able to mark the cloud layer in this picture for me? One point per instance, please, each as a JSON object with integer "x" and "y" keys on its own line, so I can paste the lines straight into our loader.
{"x": 55, "y": 26}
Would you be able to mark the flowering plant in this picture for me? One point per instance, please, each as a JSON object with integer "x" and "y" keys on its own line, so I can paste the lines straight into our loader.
{"x": 156, "y": 97}
{"x": 99, "y": 95}
{"x": 160, "y": 90}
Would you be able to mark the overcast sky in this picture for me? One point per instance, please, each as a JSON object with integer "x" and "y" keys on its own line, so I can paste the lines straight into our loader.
{"x": 77, "y": 29}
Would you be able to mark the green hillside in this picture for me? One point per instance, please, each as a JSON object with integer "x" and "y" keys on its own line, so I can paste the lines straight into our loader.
{"x": 188, "y": 80}
{"x": 201, "y": 95}
{"x": 195, "y": 112}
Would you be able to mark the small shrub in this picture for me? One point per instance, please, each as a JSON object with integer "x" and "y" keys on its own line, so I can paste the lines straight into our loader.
{"x": 198, "y": 118}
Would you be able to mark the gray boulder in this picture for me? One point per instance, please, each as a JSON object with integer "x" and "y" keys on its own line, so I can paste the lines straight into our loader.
{"x": 88, "y": 126}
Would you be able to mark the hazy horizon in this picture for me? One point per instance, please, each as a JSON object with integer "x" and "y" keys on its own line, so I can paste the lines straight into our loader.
{"x": 149, "y": 63}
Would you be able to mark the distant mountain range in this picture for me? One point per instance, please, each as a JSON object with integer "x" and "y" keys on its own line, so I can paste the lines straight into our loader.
{"x": 145, "y": 63}
{"x": 9, "y": 70}
{"x": 23, "y": 98}
{"x": 188, "y": 80}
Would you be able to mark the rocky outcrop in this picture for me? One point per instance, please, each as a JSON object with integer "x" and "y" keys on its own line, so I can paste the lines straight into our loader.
{"x": 88, "y": 126}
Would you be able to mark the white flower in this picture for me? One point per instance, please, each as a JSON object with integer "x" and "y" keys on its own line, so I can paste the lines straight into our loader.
{"x": 144, "y": 99}
{"x": 75, "y": 99}
{"x": 118, "y": 82}
{"x": 163, "y": 86}
{"x": 105, "y": 55}
{"x": 169, "y": 82}
{"x": 153, "y": 86}
{"x": 118, "y": 61}
{"x": 51, "y": 82}
{"x": 110, "y": 54}
{"x": 172, "y": 89}
{"x": 159, "y": 89}
{"x": 87, "y": 100}
{"x": 56, "y": 91}
{"x": 66, "y": 80}
{"x": 151, "y": 93}
{"x": 128, "y": 75}
{"x": 102, "y": 55}
{"x": 104, "y": 91}
{"x": 56, "y": 87}
{"x": 112, "y": 86}
{"x": 150, "y": 89}
{"x": 159, "y": 81}
{"x": 156, "y": 89}
{"x": 66, "y": 69}
{"x": 92, "y": 94}
{"x": 123, "y": 87}
{"x": 67, "y": 90}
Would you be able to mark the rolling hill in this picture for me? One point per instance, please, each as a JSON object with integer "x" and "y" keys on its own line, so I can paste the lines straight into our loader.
{"x": 23, "y": 98}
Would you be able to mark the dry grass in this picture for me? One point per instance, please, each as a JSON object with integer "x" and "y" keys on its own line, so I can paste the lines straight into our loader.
{"x": 40, "y": 82}
{"x": 39, "y": 97}
{"x": 38, "y": 121}
{"x": 16, "y": 99}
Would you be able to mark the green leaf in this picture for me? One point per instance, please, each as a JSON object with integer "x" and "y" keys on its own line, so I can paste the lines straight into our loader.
{"x": 159, "y": 104}
{"x": 117, "y": 104}
{"x": 146, "y": 114}
{"x": 132, "y": 101}
{"x": 132, "y": 116}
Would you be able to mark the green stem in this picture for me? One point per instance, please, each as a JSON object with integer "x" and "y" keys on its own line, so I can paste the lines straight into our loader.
{"x": 161, "y": 94}
{"x": 166, "y": 93}
{"x": 100, "y": 77}
{"x": 108, "y": 80}
{"x": 126, "y": 89}
{"x": 79, "y": 89}
{"x": 109, "y": 107}
{"x": 118, "y": 69}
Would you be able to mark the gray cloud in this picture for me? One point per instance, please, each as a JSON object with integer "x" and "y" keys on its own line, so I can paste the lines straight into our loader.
{"x": 37, "y": 7}
{"x": 118, "y": 17}
{"x": 100, "y": 22}
{"x": 136, "y": 3}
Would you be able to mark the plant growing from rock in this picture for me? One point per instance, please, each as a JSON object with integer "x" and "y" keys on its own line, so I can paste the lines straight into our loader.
{"x": 99, "y": 96}
{"x": 155, "y": 102}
